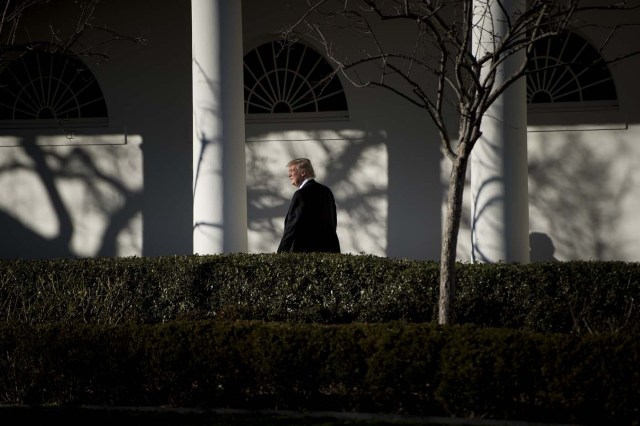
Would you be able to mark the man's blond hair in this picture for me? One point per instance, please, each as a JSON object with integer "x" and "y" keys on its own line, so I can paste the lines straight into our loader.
{"x": 303, "y": 164}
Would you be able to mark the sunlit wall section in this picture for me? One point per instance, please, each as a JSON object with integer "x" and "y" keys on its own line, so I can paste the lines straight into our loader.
{"x": 582, "y": 148}
{"x": 583, "y": 194}
{"x": 353, "y": 167}
{"x": 67, "y": 198}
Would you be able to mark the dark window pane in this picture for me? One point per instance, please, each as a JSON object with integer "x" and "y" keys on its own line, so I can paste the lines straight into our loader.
{"x": 567, "y": 68}
{"x": 44, "y": 85}
{"x": 282, "y": 78}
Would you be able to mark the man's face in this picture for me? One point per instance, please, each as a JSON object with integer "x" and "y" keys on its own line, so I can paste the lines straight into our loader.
{"x": 295, "y": 176}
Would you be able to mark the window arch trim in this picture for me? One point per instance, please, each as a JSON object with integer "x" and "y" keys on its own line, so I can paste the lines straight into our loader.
{"x": 575, "y": 96}
{"x": 291, "y": 82}
{"x": 42, "y": 89}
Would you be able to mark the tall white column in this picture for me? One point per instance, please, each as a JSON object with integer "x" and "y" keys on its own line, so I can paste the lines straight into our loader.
{"x": 499, "y": 184}
{"x": 219, "y": 169}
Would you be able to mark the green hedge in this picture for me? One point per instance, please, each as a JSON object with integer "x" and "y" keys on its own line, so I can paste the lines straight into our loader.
{"x": 397, "y": 367}
{"x": 577, "y": 297}
{"x": 544, "y": 341}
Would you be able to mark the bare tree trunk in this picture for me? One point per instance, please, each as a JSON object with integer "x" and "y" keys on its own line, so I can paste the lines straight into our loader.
{"x": 461, "y": 45}
{"x": 446, "y": 302}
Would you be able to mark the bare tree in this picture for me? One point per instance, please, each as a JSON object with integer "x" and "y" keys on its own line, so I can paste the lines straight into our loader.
{"x": 442, "y": 66}
{"x": 68, "y": 41}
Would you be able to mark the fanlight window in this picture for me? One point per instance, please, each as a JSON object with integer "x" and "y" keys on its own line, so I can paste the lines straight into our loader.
{"x": 289, "y": 79}
{"x": 39, "y": 88}
{"x": 569, "y": 69}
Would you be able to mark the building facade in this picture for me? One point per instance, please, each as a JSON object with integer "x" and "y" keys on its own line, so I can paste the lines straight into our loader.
{"x": 179, "y": 145}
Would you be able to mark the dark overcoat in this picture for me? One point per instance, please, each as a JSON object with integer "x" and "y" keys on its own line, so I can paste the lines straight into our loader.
{"x": 310, "y": 224}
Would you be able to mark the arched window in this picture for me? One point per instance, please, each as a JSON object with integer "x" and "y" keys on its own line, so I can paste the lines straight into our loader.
{"x": 285, "y": 80}
{"x": 568, "y": 69}
{"x": 45, "y": 89}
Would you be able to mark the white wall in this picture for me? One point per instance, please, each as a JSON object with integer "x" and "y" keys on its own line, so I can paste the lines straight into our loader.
{"x": 384, "y": 163}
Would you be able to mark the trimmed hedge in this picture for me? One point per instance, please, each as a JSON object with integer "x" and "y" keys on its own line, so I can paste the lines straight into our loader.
{"x": 579, "y": 297}
{"x": 403, "y": 368}
{"x": 543, "y": 341}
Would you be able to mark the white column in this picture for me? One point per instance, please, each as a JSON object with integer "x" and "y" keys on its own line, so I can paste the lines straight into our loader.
{"x": 499, "y": 184}
{"x": 219, "y": 169}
